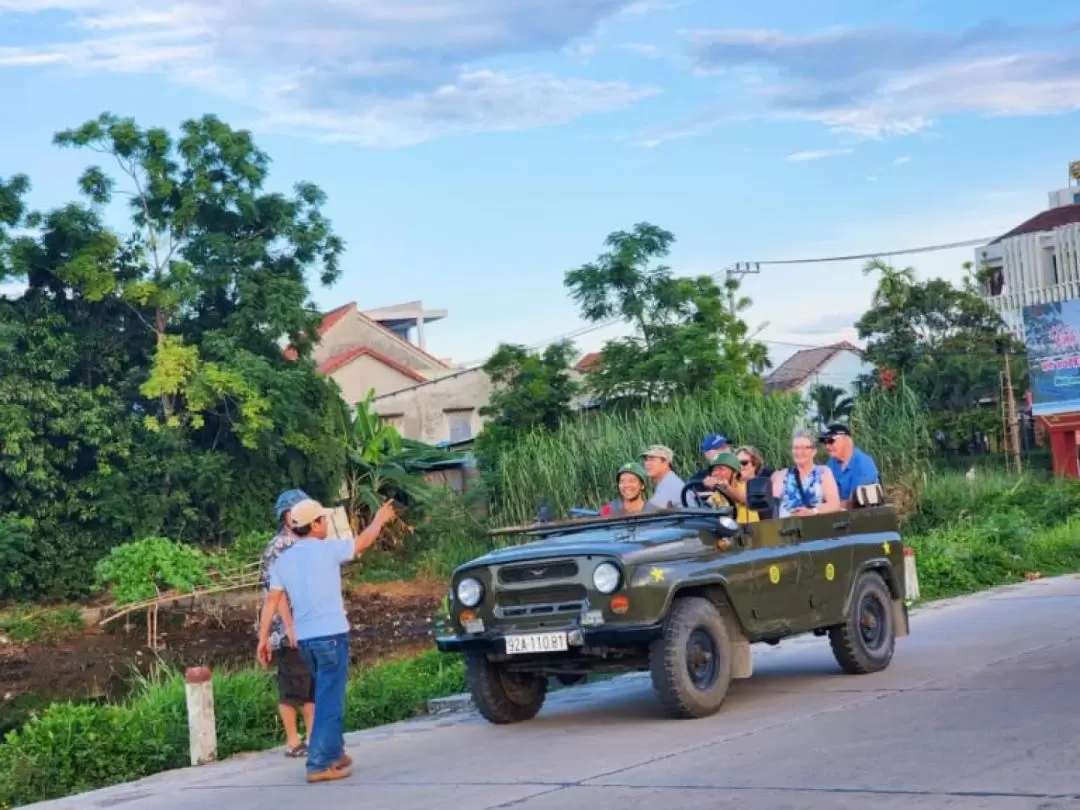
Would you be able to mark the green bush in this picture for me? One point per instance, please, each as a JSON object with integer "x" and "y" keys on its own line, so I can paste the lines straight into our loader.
{"x": 70, "y": 748}
{"x": 137, "y": 571}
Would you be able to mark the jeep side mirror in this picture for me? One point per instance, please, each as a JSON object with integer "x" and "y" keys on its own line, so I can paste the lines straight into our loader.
{"x": 759, "y": 496}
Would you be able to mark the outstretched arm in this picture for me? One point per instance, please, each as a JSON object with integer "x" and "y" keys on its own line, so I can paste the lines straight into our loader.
{"x": 366, "y": 539}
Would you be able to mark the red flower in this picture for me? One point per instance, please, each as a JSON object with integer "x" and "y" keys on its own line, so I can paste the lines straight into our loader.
{"x": 887, "y": 378}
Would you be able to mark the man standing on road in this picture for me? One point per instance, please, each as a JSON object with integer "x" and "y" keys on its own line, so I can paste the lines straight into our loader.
{"x": 850, "y": 466}
{"x": 311, "y": 576}
{"x": 668, "y": 494}
{"x": 296, "y": 689}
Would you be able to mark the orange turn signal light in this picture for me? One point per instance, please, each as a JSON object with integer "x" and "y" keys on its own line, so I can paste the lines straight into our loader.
{"x": 466, "y": 616}
{"x": 723, "y": 544}
{"x": 620, "y": 604}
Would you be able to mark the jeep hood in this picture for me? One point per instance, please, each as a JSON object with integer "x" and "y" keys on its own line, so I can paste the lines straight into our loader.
{"x": 602, "y": 541}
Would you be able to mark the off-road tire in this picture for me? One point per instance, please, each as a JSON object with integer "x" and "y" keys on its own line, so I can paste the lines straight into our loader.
{"x": 568, "y": 679}
{"x": 853, "y": 652}
{"x": 679, "y": 695}
{"x": 501, "y": 696}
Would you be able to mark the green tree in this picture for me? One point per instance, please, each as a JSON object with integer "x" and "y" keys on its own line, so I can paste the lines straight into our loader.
{"x": 143, "y": 389}
{"x": 687, "y": 333}
{"x": 530, "y": 390}
{"x": 946, "y": 343}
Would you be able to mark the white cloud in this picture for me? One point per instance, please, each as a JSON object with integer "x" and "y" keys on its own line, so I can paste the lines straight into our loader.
{"x": 900, "y": 161}
{"x": 881, "y": 82}
{"x": 642, "y": 49}
{"x": 817, "y": 154}
{"x": 383, "y": 72}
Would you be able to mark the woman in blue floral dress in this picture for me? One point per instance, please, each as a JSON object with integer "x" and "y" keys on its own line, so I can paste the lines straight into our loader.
{"x": 805, "y": 488}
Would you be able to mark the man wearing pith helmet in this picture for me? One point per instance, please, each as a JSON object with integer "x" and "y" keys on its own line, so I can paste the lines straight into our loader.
{"x": 296, "y": 690}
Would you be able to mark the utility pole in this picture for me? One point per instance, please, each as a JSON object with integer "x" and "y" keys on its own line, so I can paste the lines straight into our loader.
{"x": 1014, "y": 422}
{"x": 740, "y": 269}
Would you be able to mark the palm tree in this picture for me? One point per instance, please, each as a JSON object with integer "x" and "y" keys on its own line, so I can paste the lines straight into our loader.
{"x": 893, "y": 286}
{"x": 831, "y": 404}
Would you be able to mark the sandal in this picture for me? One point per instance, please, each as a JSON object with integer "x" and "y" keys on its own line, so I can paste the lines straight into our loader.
{"x": 297, "y": 751}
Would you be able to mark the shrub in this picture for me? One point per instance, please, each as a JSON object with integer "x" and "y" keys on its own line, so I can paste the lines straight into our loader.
{"x": 137, "y": 571}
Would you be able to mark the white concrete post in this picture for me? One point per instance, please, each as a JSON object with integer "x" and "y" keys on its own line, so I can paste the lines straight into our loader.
{"x": 911, "y": 575}
{"x": 202, "y": 728}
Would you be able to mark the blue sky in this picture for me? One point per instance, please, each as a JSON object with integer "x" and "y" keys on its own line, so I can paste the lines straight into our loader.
{"x": 475, "y": 150}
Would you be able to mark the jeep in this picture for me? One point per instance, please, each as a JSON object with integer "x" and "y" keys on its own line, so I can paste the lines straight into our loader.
{"x": 681, "y": 593}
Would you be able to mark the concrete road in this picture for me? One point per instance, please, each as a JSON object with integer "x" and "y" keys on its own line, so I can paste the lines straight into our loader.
{"x": 980, "y": 709}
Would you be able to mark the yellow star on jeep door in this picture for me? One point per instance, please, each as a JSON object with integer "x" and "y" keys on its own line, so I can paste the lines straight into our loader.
{"x": 885, "y": 547}
{"x": 657, "y": 574}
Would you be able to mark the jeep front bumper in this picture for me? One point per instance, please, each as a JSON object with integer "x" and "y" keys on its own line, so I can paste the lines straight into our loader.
{"x": 580, "y": 638}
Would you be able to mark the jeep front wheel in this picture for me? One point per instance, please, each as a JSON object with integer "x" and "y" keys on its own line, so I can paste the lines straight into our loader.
{"x": 865, "y": 642}
{"x": 502, "y": 696}
{"x": 691, "y": 663}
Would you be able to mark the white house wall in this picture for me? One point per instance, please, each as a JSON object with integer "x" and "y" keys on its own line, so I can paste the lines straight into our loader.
{"x": 427, "y": 412}
{"x": 1028, "y": 272}
{"x": 840, "y": 371}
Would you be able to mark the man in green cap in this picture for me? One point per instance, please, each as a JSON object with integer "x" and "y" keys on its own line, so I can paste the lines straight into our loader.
{"x": 631, "y": 481}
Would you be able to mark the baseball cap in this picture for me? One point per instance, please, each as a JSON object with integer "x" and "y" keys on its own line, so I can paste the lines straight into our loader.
{"x": 834, "y": 430}
{"x": 714, "y": 441}
{"x": 287, "y": 500}
{"x": 305, "y": 513}
{"x": 660, "y": 451}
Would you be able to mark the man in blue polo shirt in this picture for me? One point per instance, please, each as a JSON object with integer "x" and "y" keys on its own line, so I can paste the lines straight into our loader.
{"x": 850, "y": 466}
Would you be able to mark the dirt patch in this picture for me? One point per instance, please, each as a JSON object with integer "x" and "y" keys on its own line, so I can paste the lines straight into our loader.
{"x": 388, "y": 621}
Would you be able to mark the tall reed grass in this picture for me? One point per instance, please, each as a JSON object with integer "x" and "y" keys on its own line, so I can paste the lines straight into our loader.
{"x": 575, "y": 465}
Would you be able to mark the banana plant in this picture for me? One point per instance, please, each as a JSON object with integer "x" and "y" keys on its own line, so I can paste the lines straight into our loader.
{"x": 381, "y": 465}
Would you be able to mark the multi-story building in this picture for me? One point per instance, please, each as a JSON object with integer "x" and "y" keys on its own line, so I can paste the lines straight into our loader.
{"x": 1038, "y": 261}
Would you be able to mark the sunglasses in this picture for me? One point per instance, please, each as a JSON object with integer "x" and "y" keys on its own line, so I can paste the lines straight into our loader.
{"x": 744, "y": 462}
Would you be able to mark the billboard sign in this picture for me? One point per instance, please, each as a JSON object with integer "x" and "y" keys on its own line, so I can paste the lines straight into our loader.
{"x": 1052, "y": 335}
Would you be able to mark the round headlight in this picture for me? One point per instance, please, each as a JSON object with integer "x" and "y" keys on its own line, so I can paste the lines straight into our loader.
{"x": 470, "y": 592}
{"x": 606, "y": 577}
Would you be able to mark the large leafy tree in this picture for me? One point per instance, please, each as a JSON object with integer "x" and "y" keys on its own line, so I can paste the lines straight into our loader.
{"x": 688, "y": 335}
{"x": 530, "y": 390}
{"x": 945, "y": 342}
{"x": 142, "y": 385}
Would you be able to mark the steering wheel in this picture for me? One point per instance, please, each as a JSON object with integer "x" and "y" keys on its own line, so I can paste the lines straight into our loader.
{"x": 698, "y": 488}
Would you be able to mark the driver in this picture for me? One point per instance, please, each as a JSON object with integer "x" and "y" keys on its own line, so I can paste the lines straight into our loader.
{"x": 728, "y": 488}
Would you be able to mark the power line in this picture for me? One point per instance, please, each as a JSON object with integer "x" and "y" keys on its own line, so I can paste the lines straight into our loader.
{"x": 902, "y": 252}
{"x": 741, "y": 268}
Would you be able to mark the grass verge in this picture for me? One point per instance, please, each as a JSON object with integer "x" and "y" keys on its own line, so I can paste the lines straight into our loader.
{"x": 70, "y": 747}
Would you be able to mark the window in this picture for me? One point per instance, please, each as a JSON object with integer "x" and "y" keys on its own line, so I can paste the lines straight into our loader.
{"x": 459, "y": 420}
{"x": 396, "y": 421}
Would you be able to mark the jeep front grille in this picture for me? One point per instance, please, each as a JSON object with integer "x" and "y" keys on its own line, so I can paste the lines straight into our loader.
{"x": 538, "y": 572}
{"x": 541, "y": 601}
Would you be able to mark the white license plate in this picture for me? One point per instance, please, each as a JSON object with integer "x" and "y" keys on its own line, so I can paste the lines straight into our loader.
{"x": 537, "y": 643}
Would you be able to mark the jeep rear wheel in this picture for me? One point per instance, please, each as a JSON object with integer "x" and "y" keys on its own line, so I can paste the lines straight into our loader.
{"x": 691, "y": 663}
{"x": 502, "y": 696}
{"x": 865, "y": 642}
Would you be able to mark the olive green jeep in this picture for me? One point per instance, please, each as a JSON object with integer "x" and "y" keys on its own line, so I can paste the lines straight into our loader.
{"x": 680, "y": 593}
